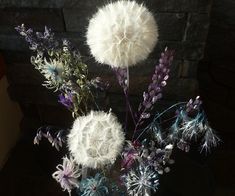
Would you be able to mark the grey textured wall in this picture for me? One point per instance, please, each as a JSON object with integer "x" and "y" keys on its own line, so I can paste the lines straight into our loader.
{"x": 183, "y": 26}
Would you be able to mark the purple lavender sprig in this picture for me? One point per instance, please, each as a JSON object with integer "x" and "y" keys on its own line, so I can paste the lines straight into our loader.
{"x": 193, "y": 105}
{"x": 38, "y": 41}
{"x": 159, "y": 79}
{"x": 154, "y": 92}
{"x": 56, "y": 139}
{"x": 66, "y": 99}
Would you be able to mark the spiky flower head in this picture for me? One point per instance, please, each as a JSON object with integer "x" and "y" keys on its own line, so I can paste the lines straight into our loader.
{"x": 141, "y": 181}
{"x": 122, "y": 33}
{"x": 96, "y": 186}
{"x": 96, "y": 139}
{"x": 67, "y": 174}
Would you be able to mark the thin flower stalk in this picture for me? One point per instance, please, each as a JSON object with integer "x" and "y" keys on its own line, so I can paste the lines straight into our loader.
{"x": 123, "y": 80}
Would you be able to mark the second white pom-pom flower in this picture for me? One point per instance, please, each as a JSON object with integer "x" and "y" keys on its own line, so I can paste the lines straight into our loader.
{"x": 121, "y": 34}
{"x": 96, "y": 140}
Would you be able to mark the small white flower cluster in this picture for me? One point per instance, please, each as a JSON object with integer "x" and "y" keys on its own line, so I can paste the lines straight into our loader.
{"x": 96, "y": 139}
{"x": 122, "y": 33}
{"x": 67, "y": 174}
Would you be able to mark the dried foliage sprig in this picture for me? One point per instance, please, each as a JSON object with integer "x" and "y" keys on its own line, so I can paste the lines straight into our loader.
{"x": 61, "y": 65}
{"x": 54, "y": 135}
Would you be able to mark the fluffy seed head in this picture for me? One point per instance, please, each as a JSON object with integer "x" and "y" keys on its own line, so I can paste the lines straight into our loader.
{"x": 122, "y": 33}
{"x": 96, "y": 140}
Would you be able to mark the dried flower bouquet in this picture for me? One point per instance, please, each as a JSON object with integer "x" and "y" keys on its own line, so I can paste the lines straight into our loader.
{"x": 120, "y": 34}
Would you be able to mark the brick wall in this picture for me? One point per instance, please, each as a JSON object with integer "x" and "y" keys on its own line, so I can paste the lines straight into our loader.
{"x": 183, "y": 26}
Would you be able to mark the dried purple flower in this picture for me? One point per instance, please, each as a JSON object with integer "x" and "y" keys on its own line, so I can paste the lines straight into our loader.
{"x": 148, "y": 154}
{"x": 130, "y": 155}
{"x": 191, "y": 123}
{"x": 67, "y": 174}
{"x": 37, "y": 138}
{"x": 66, "y": 99}
{"x": 154, "y": 93}
{"x": 38, "y": 41}
{"x": 159, "y": 79}
{"x": 193, "y": 105}
{"x": 56, "y": 139}
{"x": 183, "y": 145}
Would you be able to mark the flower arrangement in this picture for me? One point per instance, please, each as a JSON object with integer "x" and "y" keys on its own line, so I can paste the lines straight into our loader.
{"x": 120, "y": 34}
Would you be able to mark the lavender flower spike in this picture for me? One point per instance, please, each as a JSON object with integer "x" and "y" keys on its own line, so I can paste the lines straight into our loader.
{"x": 159, "y": 79}
{"x": 67, "y": 174}
{"x": 154, "y": 92}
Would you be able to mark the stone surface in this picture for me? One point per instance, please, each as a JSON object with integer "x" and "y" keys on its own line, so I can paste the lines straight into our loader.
{"x": 55, "y": 115}
{"x": 23, "y": 74}
{"x": 181, "y": 89}
{"x": 33, "y": 4}
{"x": 77, "y": 21}
{"x": 171, "y": 25}
{"x": 188, "y": 69}
{"x": 204, "y": 6}
{"x": 12, "y": 43}
{"x": 159, "y": 5}
{"x": 211, "y": 89}
{"x": 35, "y": 18}
{"x": 231, "y": 98}
{"x": 197, "y": 28}
{"x": 220, "y": 116}
{"x": 193, "y": 50}
{"x": 32, "y": 94}
{"x": 223, "y": 77}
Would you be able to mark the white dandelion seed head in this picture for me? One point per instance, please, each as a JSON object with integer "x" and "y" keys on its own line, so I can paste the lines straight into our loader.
{"x": 122, "y": 34}
{"x": 96, "y": 139}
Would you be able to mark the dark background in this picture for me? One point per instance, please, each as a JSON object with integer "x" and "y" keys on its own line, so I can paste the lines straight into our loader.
{"x": 203, "y": 34}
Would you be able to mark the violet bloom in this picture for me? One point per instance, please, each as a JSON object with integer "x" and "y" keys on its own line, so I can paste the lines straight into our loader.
{"x": 38, "y": 41}
{"x": 56, "y": 139}
{"x": 67, "y": 174}
{"x": 159, "y": 79}
{"x": 130, "y": 155}
{"x": 154, "y": 92}
{"x": 66, "y": 100}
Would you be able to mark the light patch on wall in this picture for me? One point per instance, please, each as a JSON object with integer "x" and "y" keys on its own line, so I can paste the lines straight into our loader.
{"x": 10, "y": 117}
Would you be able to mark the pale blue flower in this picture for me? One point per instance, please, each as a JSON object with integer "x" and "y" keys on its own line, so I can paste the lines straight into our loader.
{"x": 96, "y": 186}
